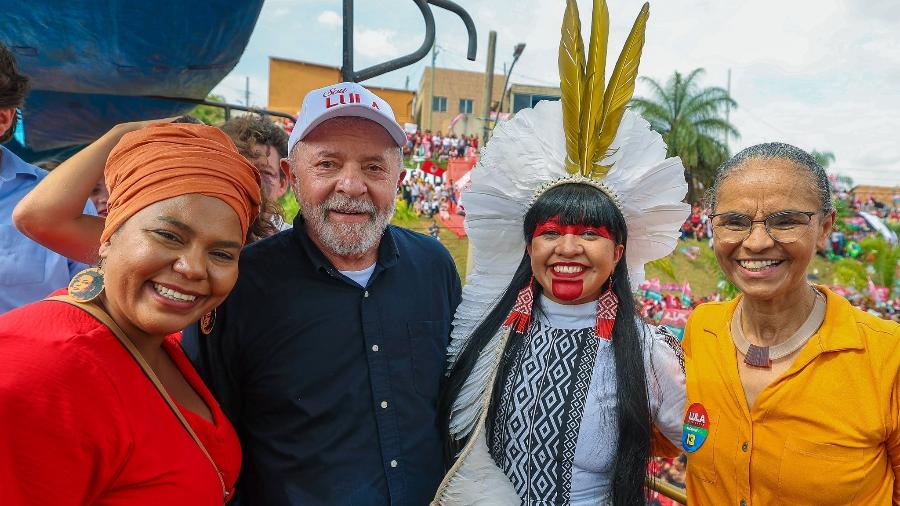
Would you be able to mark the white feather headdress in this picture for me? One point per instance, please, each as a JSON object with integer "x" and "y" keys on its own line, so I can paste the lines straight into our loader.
{"x": 587, "y": 137}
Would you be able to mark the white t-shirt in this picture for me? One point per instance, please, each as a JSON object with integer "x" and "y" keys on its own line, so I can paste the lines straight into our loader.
{"x": 361, "y": 277}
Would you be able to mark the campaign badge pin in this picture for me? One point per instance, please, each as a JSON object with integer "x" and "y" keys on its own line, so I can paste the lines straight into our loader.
{"x": 696, "y": 428}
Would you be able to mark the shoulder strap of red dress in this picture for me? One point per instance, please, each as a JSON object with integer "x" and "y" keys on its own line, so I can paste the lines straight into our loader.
{"x": 104, "y": 318}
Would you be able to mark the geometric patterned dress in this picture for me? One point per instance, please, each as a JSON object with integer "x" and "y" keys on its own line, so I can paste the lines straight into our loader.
{"x": 539, "y": 416}
{"x": 559, "y": 378}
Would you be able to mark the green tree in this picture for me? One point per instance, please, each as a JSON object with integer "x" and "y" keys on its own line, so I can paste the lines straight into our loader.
{"x": 691, "y": 119}
{"x": 211, "y": 115}
{"x": 844, "y": 181}
{"x": 823, "y": 158}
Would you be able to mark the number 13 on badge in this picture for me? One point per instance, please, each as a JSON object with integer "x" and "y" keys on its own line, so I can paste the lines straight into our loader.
{"x": 696, "y": 428}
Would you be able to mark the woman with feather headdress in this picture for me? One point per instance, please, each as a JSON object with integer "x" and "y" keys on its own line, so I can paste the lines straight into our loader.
{"x": 557, "y": 393}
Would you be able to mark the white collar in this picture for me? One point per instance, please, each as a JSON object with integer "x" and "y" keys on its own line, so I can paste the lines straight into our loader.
{"x": 569, "y": 316}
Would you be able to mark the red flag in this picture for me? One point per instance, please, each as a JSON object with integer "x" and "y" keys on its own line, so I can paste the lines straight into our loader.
{"x": 432, "y": 168}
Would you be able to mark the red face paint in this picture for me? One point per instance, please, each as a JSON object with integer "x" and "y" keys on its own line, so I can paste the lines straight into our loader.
{"x": 565, "y": 289}
{"x": 553, "y": 226}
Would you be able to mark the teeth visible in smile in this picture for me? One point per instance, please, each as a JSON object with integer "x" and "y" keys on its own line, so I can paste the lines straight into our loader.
{"x": 567, "y": 269}
{"x": 172, "y": 294}
{"x": 755, "y": 265}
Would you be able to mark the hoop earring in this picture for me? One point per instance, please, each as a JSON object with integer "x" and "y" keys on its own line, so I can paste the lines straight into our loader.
{"x": 607, "y": 307}
{"x": 87, "y": 285}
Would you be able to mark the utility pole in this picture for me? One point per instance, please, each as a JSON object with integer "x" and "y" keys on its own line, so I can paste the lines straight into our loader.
{"x": 430, "y": 103}
{"x": 728, "y": 109}
{"x": 488, "y": 86}
{"x": 247, "y": 91}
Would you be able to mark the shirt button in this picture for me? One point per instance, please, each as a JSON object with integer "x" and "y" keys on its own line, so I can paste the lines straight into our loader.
{"x": 374, "y": 347}
{"x": 745, "y": 446}
{"x": 366, "y": 294}
{"x": 743, "y": 502}
{"x": 393, "y": 463}
{"x": 384, "y": 404}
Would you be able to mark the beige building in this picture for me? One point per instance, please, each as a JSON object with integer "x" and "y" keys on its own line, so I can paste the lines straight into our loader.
{"x": 457, "y": 96}
{"x": 291, "y": 80}
{"x": 457, "y": 99}
{"x": 883, "y": 194}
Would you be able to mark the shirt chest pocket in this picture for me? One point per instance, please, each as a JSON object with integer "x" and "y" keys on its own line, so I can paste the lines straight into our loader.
{"x": 22, "y": 260}
{"x": 428, "y": 347}
{"x": 835, "y": 471}
{"x": 702, "y": 462}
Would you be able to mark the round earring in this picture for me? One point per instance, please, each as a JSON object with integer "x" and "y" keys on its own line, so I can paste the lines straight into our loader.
{"x": 87, "y": 285}
{"x": 207, "y": 322}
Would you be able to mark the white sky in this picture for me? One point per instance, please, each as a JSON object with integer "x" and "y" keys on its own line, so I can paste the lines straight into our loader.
{"x": 819, "y": 74}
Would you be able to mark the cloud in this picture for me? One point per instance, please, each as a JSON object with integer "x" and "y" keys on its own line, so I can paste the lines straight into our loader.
{"x": 330, "y": 19}
{"x": 380, "y": 43}
{"x": 233, "y": 89}
{"x": 820, "y": 74}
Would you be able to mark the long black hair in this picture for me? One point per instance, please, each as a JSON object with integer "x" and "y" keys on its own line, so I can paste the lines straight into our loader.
{"x": 573, "y": 204}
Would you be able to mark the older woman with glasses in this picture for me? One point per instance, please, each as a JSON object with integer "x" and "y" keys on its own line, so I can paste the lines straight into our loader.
{"x": 792, "y": 393}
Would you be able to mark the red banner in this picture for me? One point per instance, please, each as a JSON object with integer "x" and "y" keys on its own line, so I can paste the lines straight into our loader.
{"x": 432, "y": 168}
{"x": 675, "y": 317}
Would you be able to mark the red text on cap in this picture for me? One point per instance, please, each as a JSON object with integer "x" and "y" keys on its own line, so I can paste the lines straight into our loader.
{"x": 342, "y": 99}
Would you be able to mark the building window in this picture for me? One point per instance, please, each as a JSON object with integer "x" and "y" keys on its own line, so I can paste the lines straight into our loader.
{"x": 466, "y": 105}
{"x": 524, "y": 101}
{"x": 439, "y": 104}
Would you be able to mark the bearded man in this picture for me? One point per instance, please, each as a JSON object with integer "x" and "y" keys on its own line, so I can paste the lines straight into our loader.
{"x": 328, "y": 354}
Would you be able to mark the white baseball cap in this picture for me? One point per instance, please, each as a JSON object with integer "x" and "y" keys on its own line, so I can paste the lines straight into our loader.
{"x": 344, "y": 99}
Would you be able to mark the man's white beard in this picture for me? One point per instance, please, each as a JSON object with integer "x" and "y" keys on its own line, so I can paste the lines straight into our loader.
{"x": 347, "y": 239}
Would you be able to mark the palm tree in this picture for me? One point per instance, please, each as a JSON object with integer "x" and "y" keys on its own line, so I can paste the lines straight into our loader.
{"x": 691, "y": 121}
{"x": 823, "y": 158}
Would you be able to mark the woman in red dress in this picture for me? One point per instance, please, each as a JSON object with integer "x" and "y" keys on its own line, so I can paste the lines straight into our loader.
{"x": 112, "y": 412}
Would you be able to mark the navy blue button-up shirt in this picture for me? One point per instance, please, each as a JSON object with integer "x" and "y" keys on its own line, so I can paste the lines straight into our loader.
{"x": 333, "y": 386}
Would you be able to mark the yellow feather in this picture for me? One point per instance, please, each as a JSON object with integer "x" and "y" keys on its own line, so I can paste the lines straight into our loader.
{"x": 620, "y": 89}
{"x": 595, "y": 73}
{"x": 571, "y": 83}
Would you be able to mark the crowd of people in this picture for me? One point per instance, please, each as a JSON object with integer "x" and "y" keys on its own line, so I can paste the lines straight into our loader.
{"x": 189, "y": 348}
{"x": 429, "y": 197}
{"x": 697, "y": 225}
{"x": 437, "y": 146}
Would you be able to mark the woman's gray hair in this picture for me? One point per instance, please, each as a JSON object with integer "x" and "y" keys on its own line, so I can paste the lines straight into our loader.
{"x": 775, "y": 150}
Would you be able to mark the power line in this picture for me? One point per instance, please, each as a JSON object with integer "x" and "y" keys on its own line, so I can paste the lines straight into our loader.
{"x": 537, "y": 79}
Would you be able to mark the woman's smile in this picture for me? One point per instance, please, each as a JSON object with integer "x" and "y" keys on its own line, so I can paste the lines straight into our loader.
{"x": 173, "y": 297}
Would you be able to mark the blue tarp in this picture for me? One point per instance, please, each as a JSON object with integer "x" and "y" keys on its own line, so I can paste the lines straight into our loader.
{"x": 93, "y": 63}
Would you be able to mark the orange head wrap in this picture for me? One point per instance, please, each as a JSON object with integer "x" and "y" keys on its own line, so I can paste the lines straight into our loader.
{"x": 168, "y": 160}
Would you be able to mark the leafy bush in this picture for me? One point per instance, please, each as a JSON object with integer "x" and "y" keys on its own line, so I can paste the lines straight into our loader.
{"x": 850, "y": 272}
{"x": 405, "y": 216}
{"x": 884, "y": 258}
{"x": 290, "y": 206}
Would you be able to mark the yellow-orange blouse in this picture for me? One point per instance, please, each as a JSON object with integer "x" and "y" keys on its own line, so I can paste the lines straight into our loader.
{"x": 825, "y": 432}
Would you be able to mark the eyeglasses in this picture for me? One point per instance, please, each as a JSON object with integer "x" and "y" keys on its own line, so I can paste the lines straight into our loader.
{"x": 784, "y": 226}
